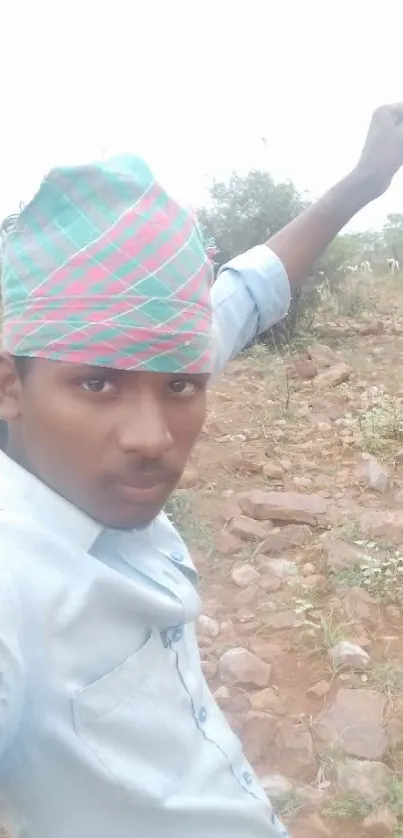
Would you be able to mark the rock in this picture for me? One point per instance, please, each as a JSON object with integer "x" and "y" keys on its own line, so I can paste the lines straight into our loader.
{"x": 383, "y": 523}
{"x": 244, "y": 575}
{"x": 245, "y": 465}
{"x": 322, "y": 355}
{"x": 308, "y": 569}
{"x": 293, "y": 535}
{"x": 190, "y": 477}
{"x": 348, "y": 655}
{"x": 304, "y": 369}
{"x": 380, "y": 824}
{"x": 320, "y": 689}
{"x": 273, "y": 471}
{"x": 259, "y": 731}
{"x": 303, "y": 483}
{"x": 207, "y": 626}
{"x": 340, "y": 555}
{"x": 368, "y": 779}
{"x": 284, "y": 506}
{"x": 282, "y": 620}
{"x": 336, "y": 374}
{"x": 357, "y": 604}
{"x": 268, "y": 650}
{"x": 209, "y": 669}
{"x": 247, "y": 528}
{"x": 223, "y": 697}
{"x": 294, "y": 744}
{"x": 376, "y": 475}
{"x": 227, "y": 544}
{"x": 354, "y": 723}
{"x": 277, "y": 787}
{"x": 246, "y": 596}
{"x": 238, "y": 666}
{"x": 271, "y": 585}
{"x": 267, "y": 701}
{"x": 312, "y": 826}
{"x": 281, "y": 568}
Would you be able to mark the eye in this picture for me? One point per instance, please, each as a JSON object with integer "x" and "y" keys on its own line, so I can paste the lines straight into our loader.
{"x": 184, "y": 388}
{"x": 97, "y": 385}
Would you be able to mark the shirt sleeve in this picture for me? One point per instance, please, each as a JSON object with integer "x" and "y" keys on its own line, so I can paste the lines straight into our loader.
{"x": 251, "y": 294}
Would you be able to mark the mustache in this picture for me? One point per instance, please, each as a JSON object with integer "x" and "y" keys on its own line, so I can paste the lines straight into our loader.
{"x": 146, "y": 470}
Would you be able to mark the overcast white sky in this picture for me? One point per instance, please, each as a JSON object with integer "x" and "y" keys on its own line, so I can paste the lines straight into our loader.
{"x": 194, "y": 86}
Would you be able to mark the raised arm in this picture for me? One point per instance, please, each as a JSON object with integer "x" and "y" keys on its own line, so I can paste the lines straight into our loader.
{"x": 299, "y": 244}
{"x": 252, "y": 292}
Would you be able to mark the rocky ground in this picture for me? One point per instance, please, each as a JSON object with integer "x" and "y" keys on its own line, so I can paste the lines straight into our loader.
{"x": 293, "y": 507}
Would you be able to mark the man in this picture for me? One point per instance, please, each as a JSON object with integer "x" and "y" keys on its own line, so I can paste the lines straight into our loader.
{"x": 107, "y": 726}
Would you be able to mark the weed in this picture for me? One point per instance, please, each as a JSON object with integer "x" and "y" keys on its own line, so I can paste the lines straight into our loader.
{"x": 180, "y": 509}
{"x": 380, "y": 573}
{"x": 350, "y": 806}
{"x": 290, "y": 805}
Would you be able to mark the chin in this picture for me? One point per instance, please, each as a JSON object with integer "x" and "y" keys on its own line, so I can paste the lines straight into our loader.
{"x": 130, "y": 519}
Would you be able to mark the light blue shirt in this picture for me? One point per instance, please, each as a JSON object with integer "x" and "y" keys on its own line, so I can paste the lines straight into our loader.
{"x": 107, "y": 725}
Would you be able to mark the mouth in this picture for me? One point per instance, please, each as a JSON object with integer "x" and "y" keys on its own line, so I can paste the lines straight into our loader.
{"x": 144, "y": 491}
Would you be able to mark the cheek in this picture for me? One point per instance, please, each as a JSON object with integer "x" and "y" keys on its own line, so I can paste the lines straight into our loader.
{"x": 186, "y": 424}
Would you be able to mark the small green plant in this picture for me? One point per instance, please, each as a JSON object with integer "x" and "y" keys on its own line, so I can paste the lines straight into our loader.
{"x": 379, "y": 425}
{"x": 350, "y": 806}
{"x": 290, "y": 805}
{"x": 180, "y": 509}
{"x": 380, "y": 572}
{"x": 395, "y": 796}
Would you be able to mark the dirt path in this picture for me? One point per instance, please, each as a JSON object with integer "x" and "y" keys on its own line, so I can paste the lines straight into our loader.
{"x": 288, "y": 576}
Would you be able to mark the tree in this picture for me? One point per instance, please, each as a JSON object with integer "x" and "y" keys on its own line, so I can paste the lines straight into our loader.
{"x": 247, "y": 211}
{"x": 393, "y": 236}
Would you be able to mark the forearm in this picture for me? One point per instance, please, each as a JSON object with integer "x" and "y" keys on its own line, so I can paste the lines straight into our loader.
{"x": 301, "y": 242}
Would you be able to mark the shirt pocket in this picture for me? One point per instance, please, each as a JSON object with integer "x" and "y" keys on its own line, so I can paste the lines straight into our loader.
{"x": 129, "y": 721}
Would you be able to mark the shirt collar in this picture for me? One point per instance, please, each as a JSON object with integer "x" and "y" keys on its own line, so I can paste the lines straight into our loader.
{"x": 23, "y": 493}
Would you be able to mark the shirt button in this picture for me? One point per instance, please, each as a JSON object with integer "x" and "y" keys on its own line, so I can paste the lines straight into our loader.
{"x": 177, "y": 635}
{"x": 177, "y": 557}
{"x": 202, "y": 715}
{"x": 247, "y": 778}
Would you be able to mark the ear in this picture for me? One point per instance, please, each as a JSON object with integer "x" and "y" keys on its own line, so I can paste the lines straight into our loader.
{"x": 10, "y": 388}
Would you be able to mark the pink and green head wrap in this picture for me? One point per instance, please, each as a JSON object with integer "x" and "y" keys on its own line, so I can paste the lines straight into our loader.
{"x": 104, "y": 268}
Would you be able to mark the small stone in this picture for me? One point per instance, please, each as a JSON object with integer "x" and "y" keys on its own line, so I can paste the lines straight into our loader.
{"x": 303, "y": 483}
{"x": 227, "y": 544}
{"x": 223, "y": 697}
{"x": 245, "y": 465}
{"x": 294, "y": 535}
{"x": 294, "y": 744}
{"x": 259, "y": 731}
{"x": 320, "y": 689}
{"x": 282, "y": 620}
{"x": 281, "y": 568}
{"x": 336, "y": 374}
{"x": 271, "y": 584}
{"x": 380, "y": 824}
{"x": 308, "y": 569}
{"x": 207, "y": 626}
{"x": 340, "y": 555}
{"x": 304, "y": 369}
{"x": 209, "y": 669}
{"x": 244, "y": 575}
{"x": 348, "y": 655}
{"x": 246, "y": 597}
{"x": 247, "y": 528}
{"x": 277, "y": 787}
{"x": 284, "y": 506}
{"x": 322, "y": 355}
{"x": 355, "y": 723}
{"x": 368, "y": 779}
{"x": 267, "y": 701}
{"x": 273, "y": 471}
{"x": 376, "y": 475}
{"x": 238, "y": 666}
{"x": 357, "y": 604}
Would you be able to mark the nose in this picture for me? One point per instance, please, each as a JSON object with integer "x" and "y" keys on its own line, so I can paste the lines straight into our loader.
{"x": 144, "y": 429}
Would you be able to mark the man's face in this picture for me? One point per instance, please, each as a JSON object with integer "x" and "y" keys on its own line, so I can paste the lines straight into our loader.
{"x": 113, "y": 443}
